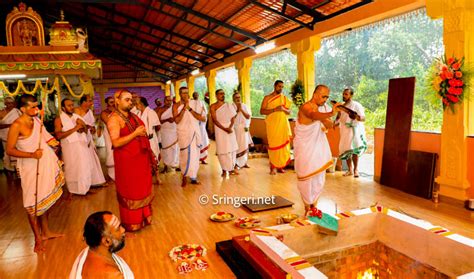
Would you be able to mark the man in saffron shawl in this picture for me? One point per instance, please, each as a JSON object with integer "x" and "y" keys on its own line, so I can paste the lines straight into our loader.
{"x": 134, "y": 163}
{"x": 276, "y": 107}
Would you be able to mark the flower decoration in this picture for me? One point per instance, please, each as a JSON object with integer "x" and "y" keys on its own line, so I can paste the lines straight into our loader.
{"x": 247, "y": 222}
{"x": 314, "y": 212}
{"x": 448, "y": 80}
{"x": 187, "y": 252}
{"x": 297, "y": 93}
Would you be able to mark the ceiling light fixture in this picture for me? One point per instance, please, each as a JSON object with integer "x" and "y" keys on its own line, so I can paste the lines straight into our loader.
{"x": 264, "y": 47}
{"x": 18, "y": 76}
{"x": 168, "y": 81}
{"x": 37, "y": 78}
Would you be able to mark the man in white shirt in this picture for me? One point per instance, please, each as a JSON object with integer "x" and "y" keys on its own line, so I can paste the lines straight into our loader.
{"x": 353, "y": 142}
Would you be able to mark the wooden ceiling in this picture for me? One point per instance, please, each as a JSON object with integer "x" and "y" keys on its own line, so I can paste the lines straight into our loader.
{"x": 167, "y": 39}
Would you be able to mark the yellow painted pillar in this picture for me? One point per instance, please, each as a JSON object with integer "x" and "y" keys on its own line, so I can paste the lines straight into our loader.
{"x": 211, "y": 85}
{"x": 190, "y": 84}
{"x": 168, "y": 89}
{"x": 304, "y": 51}
{"x": 176, "y": 86}
{"x": 243, "y": 68}
{"x": 458, "y": 38}
{"x": 102, "y": 100}
{"x": 101, "y": 91}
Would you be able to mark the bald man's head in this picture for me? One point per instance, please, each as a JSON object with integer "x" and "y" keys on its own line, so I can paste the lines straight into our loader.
{"x": 320, "y": 94}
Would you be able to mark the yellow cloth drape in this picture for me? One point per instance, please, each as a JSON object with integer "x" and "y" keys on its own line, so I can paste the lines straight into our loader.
{"x": 278, "y": 132}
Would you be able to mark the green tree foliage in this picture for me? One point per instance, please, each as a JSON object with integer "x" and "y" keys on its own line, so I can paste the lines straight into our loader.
{"x": 228, "y": 80}
{"x": 200, "y": 85}
{"x": 276, "y": 66}
{"x": 366, "y": 59}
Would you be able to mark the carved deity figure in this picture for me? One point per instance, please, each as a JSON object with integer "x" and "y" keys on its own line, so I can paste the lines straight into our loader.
{"x": 27, "y": 33}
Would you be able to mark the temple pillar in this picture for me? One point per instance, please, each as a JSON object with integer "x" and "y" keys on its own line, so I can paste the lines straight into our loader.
{"x": 176, "y": 86}
{"x": 458, "y": 39}
{"x": 102, "y": 100}
{"x": 190, "y": 84}
{"x": 101, "y": 91}
{"x": 304, "y": 51}
{"x": 211, "y": 85}
{"x": 243, "y": 68}
{"x": 168, "y": 89}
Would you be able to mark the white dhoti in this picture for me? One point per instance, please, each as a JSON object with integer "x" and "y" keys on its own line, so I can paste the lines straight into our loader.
{"x": 189, "y": 140}
{"x": 199, "y": 107}
{"x": 109, "y": 158}
{"x": 97, "y": 174}
{"x": 241, "y": 130}
{"x": 353, "y": 140}
{"x": 77, "y": 165}
{"x": 312, "y": 158}
{"x": 226, "y": 144}
{"x": 169, "y": 141}
{"x": 8, "y": 161}
{"x": 151, "y": 120}
{"x": 50, "y": 175}
{"x": 76, "y": 271}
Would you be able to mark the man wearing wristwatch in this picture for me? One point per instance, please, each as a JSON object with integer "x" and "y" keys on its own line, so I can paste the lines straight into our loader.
{"x": 189, "y": 137}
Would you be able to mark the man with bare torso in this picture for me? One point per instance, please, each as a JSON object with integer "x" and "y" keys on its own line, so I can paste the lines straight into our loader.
{"x": 104, "y": 236}
{"x": 189, "y": 136}
{"x": 311, "y": 147}
{"x": 223, "y": 115}
{"x": 169, "y": 137}
{"x": 104, "y": 116}
{"x": 39, "y": 168}
{"x": 86, "y": 115}
{"x": 135, "y": 163}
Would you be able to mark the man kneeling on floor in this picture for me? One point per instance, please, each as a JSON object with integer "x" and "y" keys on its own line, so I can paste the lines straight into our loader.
{"x": 104, "y": 235}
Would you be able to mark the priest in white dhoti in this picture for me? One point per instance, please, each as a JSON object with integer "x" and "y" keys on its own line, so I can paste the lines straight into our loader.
{"x": 223, "y": 115}
{"x": 311, "y": 147}
{"x": 85, "y": 113}
{"x": 241, "y": 129}
{"x": 135, "y": 100}
{"x": 152, "y": 125}
{"x": 75, "y": 152}
{"x": 353, "y": 142}
{"x": 109, "y": 157}
{"x": 7, "y": 117}
{"x": 38, "y": 167}
{"x": 200, "y": 107}
{"x": 169, "y": 136}
{"x": 189, "y": 137}
{"x": 104, "y": 236}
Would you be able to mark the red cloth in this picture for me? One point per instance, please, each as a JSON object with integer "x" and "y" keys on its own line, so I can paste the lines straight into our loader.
{"x": 133, "y": 178}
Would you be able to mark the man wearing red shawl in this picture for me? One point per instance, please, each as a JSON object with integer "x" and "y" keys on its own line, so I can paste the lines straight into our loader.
{"x": 135, "y": 163}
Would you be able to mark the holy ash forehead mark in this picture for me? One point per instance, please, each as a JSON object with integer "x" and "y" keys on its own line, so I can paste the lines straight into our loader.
{"x": 112, "y": 221}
